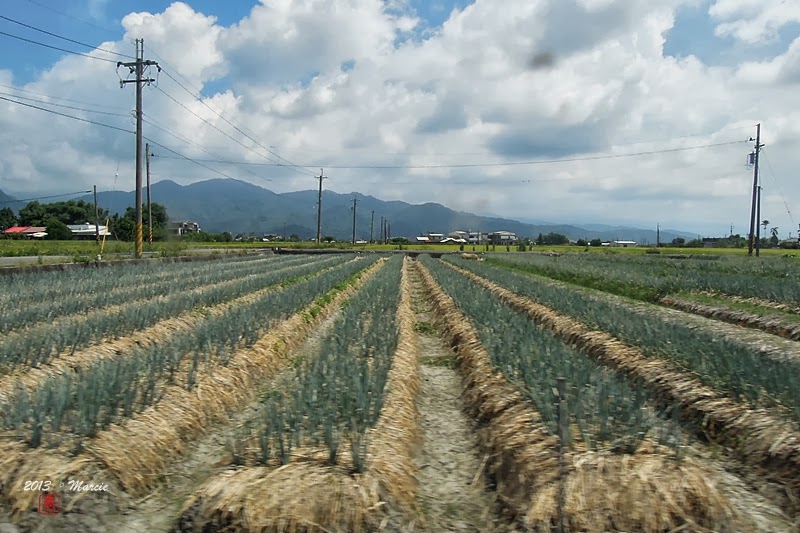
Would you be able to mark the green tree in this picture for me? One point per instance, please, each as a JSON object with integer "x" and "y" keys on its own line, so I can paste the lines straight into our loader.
{"x": 124, "y": 226}
{"x": 596, "y": 242}
{"x": 774, "y": 240}
{"x": 294, "y": 237}
{"x": 581, "y": 242}
{"x": 677, "y": 242}
{"x": 57, "y": 230}
{"x": 69, "y": 212}
{"x": 540, "y": 240}
{"x": 7, "y": 218}
{"x": 328, "y": 238}
{"x": 555, "y": 239}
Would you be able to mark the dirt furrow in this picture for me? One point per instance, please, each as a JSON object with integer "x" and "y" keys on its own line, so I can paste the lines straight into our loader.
{"x": 452, "y": 493}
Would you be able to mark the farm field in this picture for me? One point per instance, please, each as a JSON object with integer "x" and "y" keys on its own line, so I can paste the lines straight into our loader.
{"x": 385, "y": 393}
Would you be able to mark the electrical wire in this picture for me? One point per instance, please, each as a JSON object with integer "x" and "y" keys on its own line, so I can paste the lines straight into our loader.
{"x": 496, "y": 164}
{"x": 194, "y": 144}
{"x": 57, "y": 36}
{"x": 290, "y": 164}
{"x": 65, "y": 106}
{"x": 57, "y": 48}
{"x": 57, "y": 97}
{"x": 45, "y": 197}
{"x": 63, "y": 14}
{"x": 66, "y": 115}
{"x": 177, "y": 154}
{"x": 274, "y": 163}
{"x": 775, "y": 180}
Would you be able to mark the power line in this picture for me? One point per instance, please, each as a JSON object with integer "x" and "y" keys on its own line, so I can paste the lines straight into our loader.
{"x": 274, "y": 163}
{"x": 45, "y": 197}
{"x": 497, "y": 164}
{"x": 57, "y": 36}
{"x": 194, "y": 144}
{"x": 177, "y": 154}
{"x": 775, "y": 180}
{"x": 63, "y": 14}
{"x": 181, "y": 156}
{"x": 290, "y": 164}
{"x": 56, "y": 47}
{"x": 65, "y": 115}
{"x": 65, "y": 106}
{"x": 17, "y": 89}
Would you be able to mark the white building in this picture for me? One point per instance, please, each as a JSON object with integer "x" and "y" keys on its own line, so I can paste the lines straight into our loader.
{"x": 88, "y": 230}
{"x": 502, "y": 237}
{"x": 623, "y": 244}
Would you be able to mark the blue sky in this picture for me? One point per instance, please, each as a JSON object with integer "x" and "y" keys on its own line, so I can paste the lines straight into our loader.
{"x": 96, "y": 21}
{"x": 460, "y": 93}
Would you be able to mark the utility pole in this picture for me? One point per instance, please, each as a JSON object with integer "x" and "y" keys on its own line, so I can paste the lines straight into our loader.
{"x": 149, "y": 210}
{"x": 355, "y": 200}
{"x": 381, "y": 231}
{"x": 755, "y": 154}
{"x": 388, "y": 231}
{"x": 758, "y": 224}
{"x": 731, "y": 230}
{"x": 658, "y": 235}
{"x": 96, "y": 218}
{"x": 284, "y": 232}
{"x": 371, "y": 225}
{"x": 319, "y": 207}
{"x": 137, "y": 67}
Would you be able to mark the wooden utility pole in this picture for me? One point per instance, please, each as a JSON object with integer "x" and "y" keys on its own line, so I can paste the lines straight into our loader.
{"x": 137, "y": 67}
{"x": 355, "y": 200}
{"x": 371, "y": 226}
{"x": 149, "y": 210}
{"x": 319, "y": 207}
{"x": 96, "y": 218}
{"x": 753, "y": 227}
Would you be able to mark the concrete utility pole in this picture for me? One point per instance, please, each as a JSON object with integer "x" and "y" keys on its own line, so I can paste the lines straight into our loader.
{"x": 137, "y": 67}
{"x": 381, "y": 231}
{"x": 658, "y": 235}
{"x": 319, "y": 207}
{"x": 755, "y": 154}
{"x": 355, "y": 200}
{"x": 758, "y": 225}
{"x": 149, "y": 210}
{"x": 371, "y": 226}
{"x": 96, "y": 218}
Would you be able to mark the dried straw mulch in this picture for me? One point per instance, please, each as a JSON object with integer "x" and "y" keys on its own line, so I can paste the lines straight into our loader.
{"x": 646, "y": 491}
{"x": 309, "y": 496}
{"x": 138, "y": 451}
{"x": 758, "y": 435}
{"x": 771, "y": 324}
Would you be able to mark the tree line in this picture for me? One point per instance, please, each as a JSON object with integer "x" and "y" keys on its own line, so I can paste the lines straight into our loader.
{"x": 55, "y": 217}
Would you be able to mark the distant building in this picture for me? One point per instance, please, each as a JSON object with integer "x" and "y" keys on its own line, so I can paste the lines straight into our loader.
{"x": 87, "y": 231}
{"x": 623, "y": 244}
{"x": 31, "y": 232}
{"x": 181, "y": 228}
{"x": 502, "y": 237}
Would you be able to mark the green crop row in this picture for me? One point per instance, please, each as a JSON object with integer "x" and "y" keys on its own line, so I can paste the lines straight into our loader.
{"x": 605, "y": 411}
{"x": 649, "y": 278}
{"x": 38, "y": 286}
{"x": 37, "y": 346}
{"x": 25, "y": 314}
{"x": 338, "y": 394}
{"x": 113, "y": 389}
{"x": 743, "y": 372}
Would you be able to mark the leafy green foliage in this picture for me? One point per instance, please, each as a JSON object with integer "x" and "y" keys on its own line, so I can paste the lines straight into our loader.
{"x": 338, "y": 395}
{"x": 605, "y": 410}
{"x": 57, "y": 230}
{"x": 7, "y": 218}
{"x": 113, "y": 389}
{"x": 68, "y": 212}
{"x": 744, "y": 372}
{"x": 649, "y": 277}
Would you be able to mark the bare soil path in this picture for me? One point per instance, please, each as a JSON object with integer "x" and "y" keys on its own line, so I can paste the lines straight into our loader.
{"x": 453, "y": 493}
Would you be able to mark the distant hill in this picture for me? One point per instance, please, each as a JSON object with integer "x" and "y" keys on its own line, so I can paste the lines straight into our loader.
{"x": 240, "y": 207}
{"x": 6, "y": 200}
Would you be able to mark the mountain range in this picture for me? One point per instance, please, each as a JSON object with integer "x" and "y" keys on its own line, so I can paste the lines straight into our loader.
{"x": 240, "y": 207}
